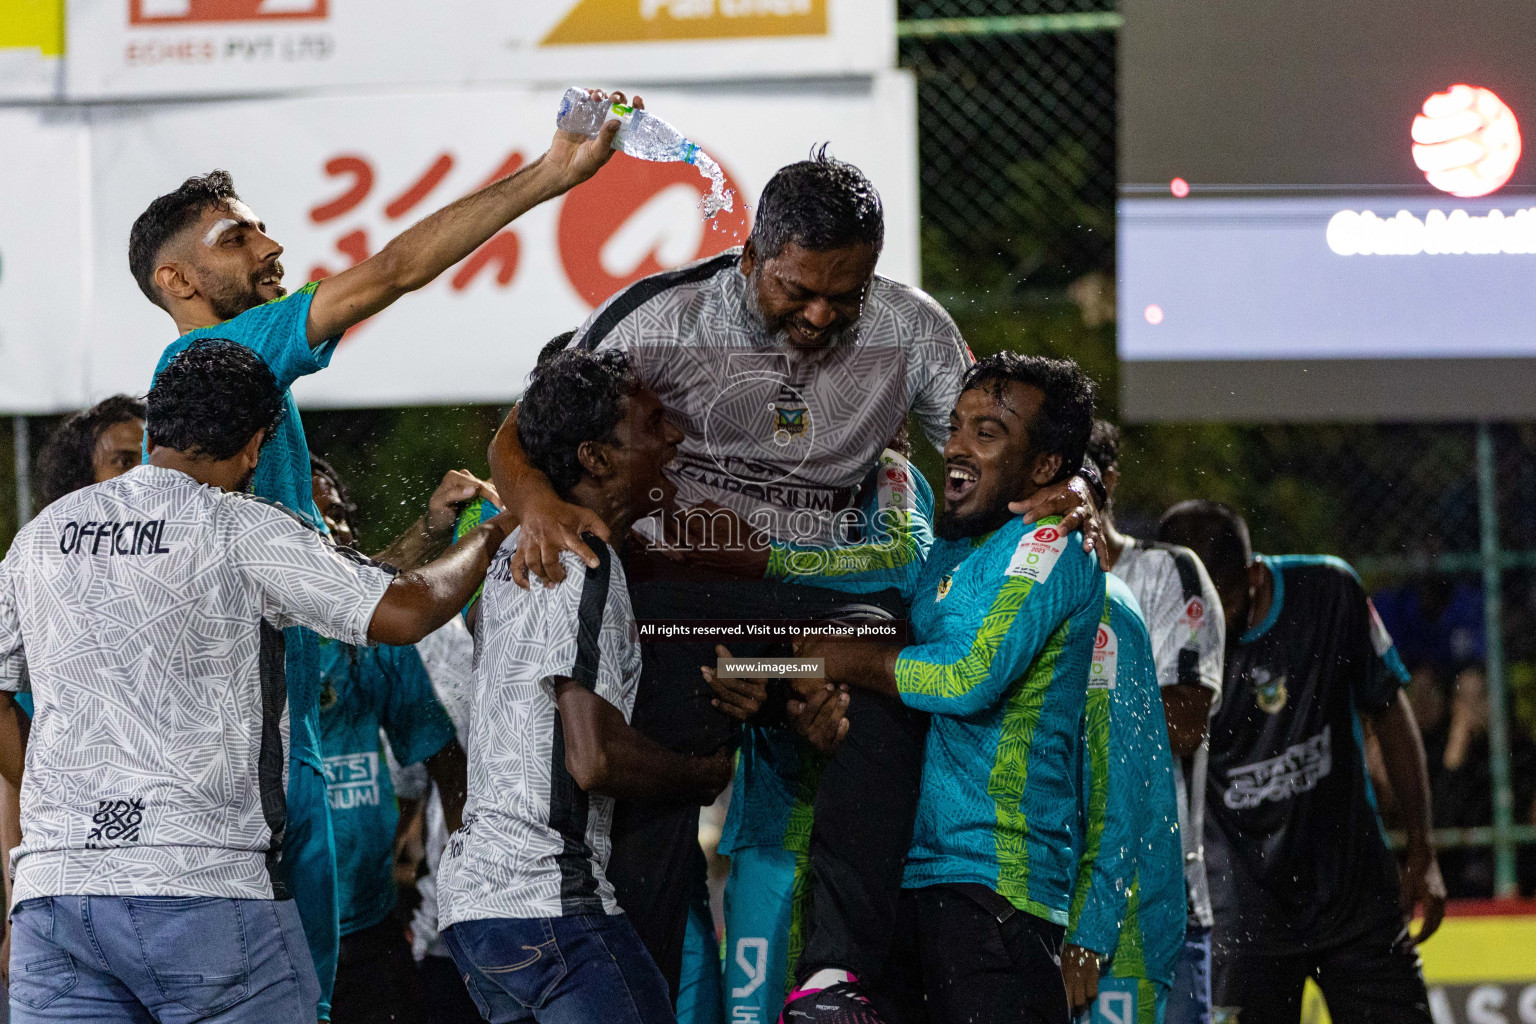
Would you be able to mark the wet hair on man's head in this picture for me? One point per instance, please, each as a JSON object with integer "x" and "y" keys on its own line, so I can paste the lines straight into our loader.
{"x": 819, "y": 204}
{"x": 168, "y": 216}
{"x": 211, "y": 398}
{"x": 575, "y": 397}
{"x": 1062, "y": 425}
{"x": 1104, "y": 446}
{"x": 1213, "y": 531}
{"x": 554, "y": 346}
{"x": 67, "y": 461}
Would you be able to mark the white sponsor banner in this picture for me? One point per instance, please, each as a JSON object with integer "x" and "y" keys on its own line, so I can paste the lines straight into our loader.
{"x": 42, "y": 262}
{"x": 336, "y": 178}
{"x": 27, "y": 74}
{"x": 143, "y": 48}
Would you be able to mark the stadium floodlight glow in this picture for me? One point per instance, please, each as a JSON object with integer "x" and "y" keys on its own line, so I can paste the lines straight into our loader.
{"x": 1466, "y": 141}
{"x": 1154, "y": 314}
{"x": 1179, "y": 187}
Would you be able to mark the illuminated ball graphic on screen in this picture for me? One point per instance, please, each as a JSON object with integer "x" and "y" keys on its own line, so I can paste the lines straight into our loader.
{"x": 1466, "y": 142}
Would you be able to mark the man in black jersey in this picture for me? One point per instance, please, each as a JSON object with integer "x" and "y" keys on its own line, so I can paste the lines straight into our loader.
{"x": 1302, "y": 882}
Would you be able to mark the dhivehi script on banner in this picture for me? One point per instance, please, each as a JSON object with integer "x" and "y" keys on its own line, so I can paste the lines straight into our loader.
{"x": 335, "y": 178}
{"x": 146, "y": 48}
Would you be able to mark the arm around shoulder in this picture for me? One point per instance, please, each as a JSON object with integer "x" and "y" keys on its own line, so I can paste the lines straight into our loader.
{"x": 418, "y": 602}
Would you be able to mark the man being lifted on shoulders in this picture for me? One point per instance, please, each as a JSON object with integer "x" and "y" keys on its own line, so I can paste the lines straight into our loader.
{"x": 788, "y": 365}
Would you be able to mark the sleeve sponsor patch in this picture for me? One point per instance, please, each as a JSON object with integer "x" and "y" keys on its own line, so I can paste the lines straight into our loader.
{"x": 1038, "y": 552}
{"x": 1106, "y": 658}
{"x": 1192, "y": 617}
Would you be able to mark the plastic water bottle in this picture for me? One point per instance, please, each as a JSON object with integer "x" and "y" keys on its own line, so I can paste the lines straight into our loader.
{"x": 581, "y": 112}
{"x": 644, "y": 136}
{"x": 641, "y": 134}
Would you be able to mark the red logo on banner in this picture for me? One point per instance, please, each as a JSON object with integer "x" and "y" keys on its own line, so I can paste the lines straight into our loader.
{"x": 594, "y": 214}
{"x": 355, "y": 175}
{"x": 1047, "y": 535}
{"x": 1102, "y": 640}
{"x": 163, "y": 12}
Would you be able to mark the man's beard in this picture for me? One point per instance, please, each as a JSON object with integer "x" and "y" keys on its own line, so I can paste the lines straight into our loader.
{"x": 951, "y": 526}
{"x": 776, "y": 327}
{"x": 228, "y": 298}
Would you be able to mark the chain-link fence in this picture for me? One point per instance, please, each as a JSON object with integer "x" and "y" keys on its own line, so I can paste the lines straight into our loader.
{"x": 1438, "y": 521}
{"x": 1017, "y": 161}
{"x": 1016, "y": 120}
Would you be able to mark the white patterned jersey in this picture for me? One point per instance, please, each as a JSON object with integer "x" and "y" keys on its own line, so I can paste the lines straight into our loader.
{"x": 1188, "y": 630}
{"x": 771, "y": 431}
{"x": 150, "y": 608}
{"x": 534, "y": 844}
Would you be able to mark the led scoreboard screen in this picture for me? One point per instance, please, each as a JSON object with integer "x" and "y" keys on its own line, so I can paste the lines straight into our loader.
{"x": 1325, "y": 212}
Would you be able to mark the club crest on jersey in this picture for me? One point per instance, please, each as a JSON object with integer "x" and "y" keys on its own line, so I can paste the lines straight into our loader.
{"x": 943, "y": 590}
{"x": 788, "y": 423}
{"x": 1037, "y": 553}
{"x": 1269, "y": 690}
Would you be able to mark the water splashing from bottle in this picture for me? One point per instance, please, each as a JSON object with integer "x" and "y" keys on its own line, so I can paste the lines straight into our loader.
{"x": 719, "y": 197}
{"x": 647, "y": 137}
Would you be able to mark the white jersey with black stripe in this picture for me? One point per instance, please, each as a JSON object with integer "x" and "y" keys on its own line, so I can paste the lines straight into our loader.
{"x": 149, "y": 609}
{"x": 782, "y": 436}
{"x": 1188, "y": 630}
{"x": 533, "y": 843}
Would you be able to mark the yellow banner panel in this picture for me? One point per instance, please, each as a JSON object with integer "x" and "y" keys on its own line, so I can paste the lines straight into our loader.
{"x": 639, "y": 21}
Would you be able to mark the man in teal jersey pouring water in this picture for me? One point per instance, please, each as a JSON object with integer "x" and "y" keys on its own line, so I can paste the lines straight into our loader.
{"x": 203, "y": 256}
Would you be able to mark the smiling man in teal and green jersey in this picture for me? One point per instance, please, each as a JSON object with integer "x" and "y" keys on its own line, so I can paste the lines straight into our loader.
{"x": 1127, "y": 913}
{"x": 768, "y": 826}
{"x": 1003, "y": 626}
{"x": 205, "y": 257}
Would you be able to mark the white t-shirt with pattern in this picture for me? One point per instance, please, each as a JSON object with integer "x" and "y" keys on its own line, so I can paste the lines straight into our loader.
{"x": 533, "y": 843}
{"x": 781, "y": 436}
{"x": 145, "y": 616}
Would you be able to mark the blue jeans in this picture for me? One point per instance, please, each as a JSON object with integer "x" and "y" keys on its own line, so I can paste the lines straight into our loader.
{"x": 174, "y": 960}
{"x": 560, "y": 970}
{"x": 1189, "y": 1001}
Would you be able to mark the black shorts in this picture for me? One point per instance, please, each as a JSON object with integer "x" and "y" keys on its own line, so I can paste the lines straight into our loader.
{"x": 1375, "y": 978}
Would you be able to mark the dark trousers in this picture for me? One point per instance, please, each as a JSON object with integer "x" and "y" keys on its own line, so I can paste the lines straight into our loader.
{"x": 862, "y": 830}
{"x": 656, "y": 860}
{"x": 1375, "y": 978}
{"x": 443, "y": 994}
{"x": 954, "y": 962}
{"x": 376, "y": 979}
